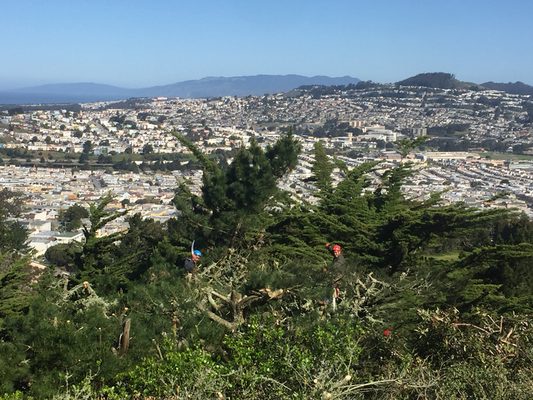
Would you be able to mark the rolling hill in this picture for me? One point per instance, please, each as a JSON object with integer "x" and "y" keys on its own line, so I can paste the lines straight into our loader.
{"x": 205, "y": 87}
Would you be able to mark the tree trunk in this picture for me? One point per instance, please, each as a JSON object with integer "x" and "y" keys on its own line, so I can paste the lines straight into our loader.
{"x": 125, "y": 337}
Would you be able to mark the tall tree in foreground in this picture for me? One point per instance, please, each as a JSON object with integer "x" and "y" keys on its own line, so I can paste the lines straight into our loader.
{"x": 13, "y": 235}
{"x": 15, "y": 272}
{"x": 99, "y": 261}
{"x": 322, "y": 169}
{"x": 234, "y": 197}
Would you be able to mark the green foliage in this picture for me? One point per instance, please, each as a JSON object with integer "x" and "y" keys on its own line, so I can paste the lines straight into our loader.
{"x": 70, "y": 219}
{"x": 15, "y": 284}
{"x": 13, "y": 235}
{"x": 15, "y": 273}
{"x": 434, "y": 301}
{"x": 283, "y": 155}
{"x": 379, "y": 228}
{"x": 98, "y": 261}
{"x": 63, "y": 255}
{"x": 405, "y": 146}
{"x": 64, "y": 331}
{"x": 187, "y": 373}
{"x": 484, "y": 357}
{"x": 322, "y": 168}
{"x": 512, "y": 230}
{"x": 143, "y": 235}
{"x": 235, "y": 197}
{"x": 266, "y": 367}
{"x": 250, "y": 180}
{"x": 444, "y": 357}
{"x": 498, "y": 278}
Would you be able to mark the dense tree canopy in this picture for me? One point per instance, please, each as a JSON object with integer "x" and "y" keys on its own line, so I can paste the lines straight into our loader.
{"x": 70, "y": 219}
{"x": 431, "y": 300}
{"x": 12, "y": 234}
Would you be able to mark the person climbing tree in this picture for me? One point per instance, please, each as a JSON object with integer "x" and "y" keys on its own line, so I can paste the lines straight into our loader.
{"x": 338, "y": 257}
{"x": 191, "y": 263}
{"x": 336, "y": 270}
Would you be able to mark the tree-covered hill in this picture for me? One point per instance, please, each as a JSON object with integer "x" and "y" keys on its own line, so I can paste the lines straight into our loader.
{"x": 440, "y": 80}
{"x": 425, "y": 300}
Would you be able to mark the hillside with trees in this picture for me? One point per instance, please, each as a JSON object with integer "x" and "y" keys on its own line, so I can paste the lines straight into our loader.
{"x": 426, "y": 300}
{"x": 441, "y": 80}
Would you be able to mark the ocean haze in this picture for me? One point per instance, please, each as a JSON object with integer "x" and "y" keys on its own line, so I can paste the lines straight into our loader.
{"x": 205, "y": 87}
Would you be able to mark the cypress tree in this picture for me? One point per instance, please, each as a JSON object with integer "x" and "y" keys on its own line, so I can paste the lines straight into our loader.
{"x": 322, "y": 169}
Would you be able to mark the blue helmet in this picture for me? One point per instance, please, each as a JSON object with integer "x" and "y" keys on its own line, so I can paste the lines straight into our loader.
{"x": 197, "y": 253}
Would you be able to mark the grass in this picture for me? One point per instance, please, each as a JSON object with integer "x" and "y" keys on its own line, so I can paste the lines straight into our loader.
{"x": 506, "y": 156}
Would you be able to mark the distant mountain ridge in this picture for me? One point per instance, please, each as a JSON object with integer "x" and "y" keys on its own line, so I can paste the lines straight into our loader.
{"x": 205, "y": 87}
{"x": 242, "y": 85}
{"x": 234, "y": 86}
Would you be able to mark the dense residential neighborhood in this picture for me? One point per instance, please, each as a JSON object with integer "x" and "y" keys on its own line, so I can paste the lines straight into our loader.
{"x": 266, "y": 200}
{"x": 60, "y": 157}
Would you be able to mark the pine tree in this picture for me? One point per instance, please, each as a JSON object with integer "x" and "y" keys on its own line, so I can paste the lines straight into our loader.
{"x": 13, "y": 235}
{"x": 283, "y": 155}
{"x": 322, "y": 169}
{"x": 235, "y": 197}
{"x": 99, "y": 261}
{"x": 15, "y": 273}
{"x": 15, "y": 284}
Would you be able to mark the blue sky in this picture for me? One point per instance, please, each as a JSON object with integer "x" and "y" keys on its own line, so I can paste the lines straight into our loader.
{"x": 135, "y": 43}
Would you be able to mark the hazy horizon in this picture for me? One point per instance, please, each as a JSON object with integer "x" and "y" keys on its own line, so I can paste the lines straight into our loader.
{"x": 11, "y": 87}
{"x": 44, "y": 83}
{"x": 135, "y": 44}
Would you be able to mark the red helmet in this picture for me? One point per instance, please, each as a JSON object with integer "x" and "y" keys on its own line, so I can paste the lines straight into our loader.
{"x": 336, "y": 248}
